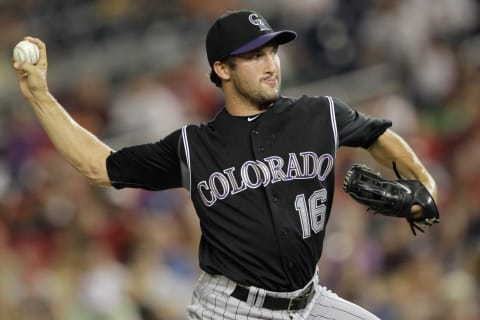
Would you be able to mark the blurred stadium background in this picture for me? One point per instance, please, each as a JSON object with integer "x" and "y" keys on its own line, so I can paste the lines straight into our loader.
{"x": 132, "y": 71}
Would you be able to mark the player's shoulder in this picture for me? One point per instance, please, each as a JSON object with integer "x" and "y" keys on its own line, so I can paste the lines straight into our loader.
{"x": 306, "y": 101}
{"x": 204, "y": 127}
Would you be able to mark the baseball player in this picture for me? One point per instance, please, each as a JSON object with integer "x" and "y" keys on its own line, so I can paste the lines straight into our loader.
{"x": 260, "y": 174}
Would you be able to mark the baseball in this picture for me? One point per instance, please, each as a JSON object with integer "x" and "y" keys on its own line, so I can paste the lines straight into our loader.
{"x": 26, "y": 51}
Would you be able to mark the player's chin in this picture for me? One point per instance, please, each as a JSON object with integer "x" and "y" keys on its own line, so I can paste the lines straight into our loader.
{"x": 274, "y": 95}
{"x": 271, "y": 91}
{"x": 266, "y": 100}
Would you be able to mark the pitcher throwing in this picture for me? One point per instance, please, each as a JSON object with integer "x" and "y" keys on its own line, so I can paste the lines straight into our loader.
{"x": 260, "y": 174}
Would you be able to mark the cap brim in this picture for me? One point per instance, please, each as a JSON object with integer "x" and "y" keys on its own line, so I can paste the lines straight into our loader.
{"x": 279, "y": 37}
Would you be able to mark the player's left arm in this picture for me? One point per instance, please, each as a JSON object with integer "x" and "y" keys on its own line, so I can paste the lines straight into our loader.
{"x": 391, "y": 147}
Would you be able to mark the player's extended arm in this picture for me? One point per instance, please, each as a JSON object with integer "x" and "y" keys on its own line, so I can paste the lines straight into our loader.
{"x": 391, "y": 147}
{"x": 85, "y": 152}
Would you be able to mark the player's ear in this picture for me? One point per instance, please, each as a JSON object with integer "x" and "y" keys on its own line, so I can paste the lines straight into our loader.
{"x": 222, "y": 70}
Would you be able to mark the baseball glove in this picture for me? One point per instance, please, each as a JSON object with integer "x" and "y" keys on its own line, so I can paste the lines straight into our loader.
{"x": 392, "y": 198}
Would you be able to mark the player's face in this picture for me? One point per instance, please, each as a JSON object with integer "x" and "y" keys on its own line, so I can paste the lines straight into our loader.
{"x": 256, "y": 76}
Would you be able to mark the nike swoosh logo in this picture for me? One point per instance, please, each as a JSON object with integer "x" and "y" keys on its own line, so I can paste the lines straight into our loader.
{"x": 250, "y": 119}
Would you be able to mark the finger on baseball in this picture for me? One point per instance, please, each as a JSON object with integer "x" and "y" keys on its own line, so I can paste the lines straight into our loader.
{"x": 42, "y": 60}
{"x": 23, "y": 69}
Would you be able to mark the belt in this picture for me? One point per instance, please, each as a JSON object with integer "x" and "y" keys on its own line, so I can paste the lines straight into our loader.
{"x": 276, "y": 303}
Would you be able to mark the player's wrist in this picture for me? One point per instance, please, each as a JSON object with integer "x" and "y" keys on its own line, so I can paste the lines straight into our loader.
{"x": 42, "y": 99}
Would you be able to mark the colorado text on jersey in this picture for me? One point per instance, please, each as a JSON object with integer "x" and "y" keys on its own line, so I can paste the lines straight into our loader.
{"x": 255, "y": 173}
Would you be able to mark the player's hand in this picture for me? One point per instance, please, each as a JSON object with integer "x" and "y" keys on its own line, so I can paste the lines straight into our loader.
{"x": 417, "y": 211}
{"x": 409, "y": 199}
{"x": 33, "y": 78}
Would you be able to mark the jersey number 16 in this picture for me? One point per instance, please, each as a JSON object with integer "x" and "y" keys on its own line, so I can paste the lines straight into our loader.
{"x": 312, "y": 211}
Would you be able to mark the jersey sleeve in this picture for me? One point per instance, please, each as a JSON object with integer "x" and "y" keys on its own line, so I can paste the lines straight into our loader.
{"x": 356, "y": 129}
{"x": 152, "y": 166}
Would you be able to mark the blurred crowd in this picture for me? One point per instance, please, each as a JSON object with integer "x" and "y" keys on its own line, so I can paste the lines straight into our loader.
{"x": 132, "y": 71}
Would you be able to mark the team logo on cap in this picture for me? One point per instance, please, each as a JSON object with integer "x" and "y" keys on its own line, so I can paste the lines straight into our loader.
{"x": 257, "y": 21}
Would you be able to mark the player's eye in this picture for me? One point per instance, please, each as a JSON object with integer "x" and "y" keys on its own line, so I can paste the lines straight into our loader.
{"x": 254, "y": 55}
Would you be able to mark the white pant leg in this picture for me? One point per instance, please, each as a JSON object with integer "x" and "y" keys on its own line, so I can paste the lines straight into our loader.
{"x": 327, "y": 305}
{"x": 212, "y": 300}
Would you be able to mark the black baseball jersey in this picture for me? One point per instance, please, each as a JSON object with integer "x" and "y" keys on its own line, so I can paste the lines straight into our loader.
{"x": 262, "y": 186}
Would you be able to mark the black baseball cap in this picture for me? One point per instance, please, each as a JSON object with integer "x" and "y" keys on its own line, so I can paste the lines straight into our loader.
{"x": 237, "y": 32}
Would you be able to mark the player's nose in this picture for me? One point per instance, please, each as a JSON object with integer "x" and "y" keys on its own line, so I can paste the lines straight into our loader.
{"x": 270, "y": 64}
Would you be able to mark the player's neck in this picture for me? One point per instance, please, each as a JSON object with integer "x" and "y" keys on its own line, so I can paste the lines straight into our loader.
{"x": 238, "y": 106}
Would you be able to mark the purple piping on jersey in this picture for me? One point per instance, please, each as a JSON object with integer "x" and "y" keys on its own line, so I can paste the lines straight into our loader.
{"x": 334, "y": 121}
{"x": 187, "y": 155}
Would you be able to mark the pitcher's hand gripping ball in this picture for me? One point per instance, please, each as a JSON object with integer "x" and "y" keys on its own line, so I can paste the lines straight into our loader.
{"x": 26, "y": 51}
{"x": 392, "y": 198}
